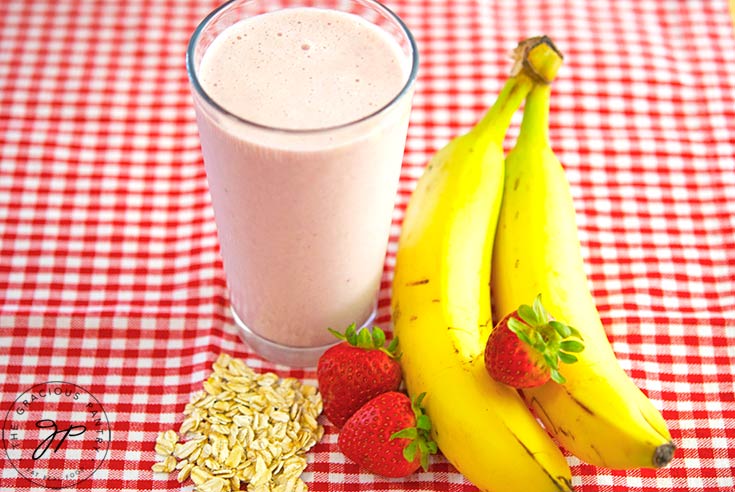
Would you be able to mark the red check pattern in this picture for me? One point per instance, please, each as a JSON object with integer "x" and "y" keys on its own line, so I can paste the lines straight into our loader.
{"x": 109, "y": 270}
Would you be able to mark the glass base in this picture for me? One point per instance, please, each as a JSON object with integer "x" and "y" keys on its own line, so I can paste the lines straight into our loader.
{"x": 286, "y": 354}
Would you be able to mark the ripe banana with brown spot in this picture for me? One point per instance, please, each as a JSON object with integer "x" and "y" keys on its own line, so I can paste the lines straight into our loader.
{"x": 599, "y": 414}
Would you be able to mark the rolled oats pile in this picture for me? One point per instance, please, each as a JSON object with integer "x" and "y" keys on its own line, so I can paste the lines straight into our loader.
{"x": 245, "y": 431}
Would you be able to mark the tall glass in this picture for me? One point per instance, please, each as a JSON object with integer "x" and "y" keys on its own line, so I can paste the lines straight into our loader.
{"x": 303, "y": 213}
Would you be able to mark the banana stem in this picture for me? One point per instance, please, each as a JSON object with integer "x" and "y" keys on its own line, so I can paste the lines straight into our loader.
{"x": 535, "y": 124}
{"x": 537, "y": 61}
{"x": 494, "y": 125}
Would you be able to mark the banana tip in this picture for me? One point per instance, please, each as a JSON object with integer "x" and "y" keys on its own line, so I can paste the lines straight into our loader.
{"x": 664, "y": 454}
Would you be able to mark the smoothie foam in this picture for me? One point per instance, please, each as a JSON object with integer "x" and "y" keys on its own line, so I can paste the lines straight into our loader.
{"x": 303, "y": 68}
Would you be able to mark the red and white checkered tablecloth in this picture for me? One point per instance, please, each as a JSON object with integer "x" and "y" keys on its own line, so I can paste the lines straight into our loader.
{"x": 110, "y": 277}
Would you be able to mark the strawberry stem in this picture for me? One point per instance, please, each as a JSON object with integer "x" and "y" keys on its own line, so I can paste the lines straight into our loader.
{"x": 369, "y": 339}
{"x": 419, "y": 436}
{"x": 552, "y": 339}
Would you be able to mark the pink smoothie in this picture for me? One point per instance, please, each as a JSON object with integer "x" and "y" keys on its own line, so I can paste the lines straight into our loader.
{"x": 303, "y": 215}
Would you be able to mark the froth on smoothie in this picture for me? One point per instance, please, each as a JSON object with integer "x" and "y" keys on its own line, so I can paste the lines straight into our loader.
{"x": 303, "y": 68}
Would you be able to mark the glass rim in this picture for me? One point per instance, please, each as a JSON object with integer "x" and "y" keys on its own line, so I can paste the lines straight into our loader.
{"x": 194, "y": 79}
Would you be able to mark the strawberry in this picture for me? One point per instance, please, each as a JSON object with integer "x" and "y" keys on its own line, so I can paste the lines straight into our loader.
{"x": 389, "y": 435}
{"x": 525, "y": 347}
{"x": 356, "y": 370}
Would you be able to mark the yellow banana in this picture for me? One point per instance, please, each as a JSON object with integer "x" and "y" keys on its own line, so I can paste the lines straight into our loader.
{"x": 599, "y": 414}
{"x": 441, "y": 304}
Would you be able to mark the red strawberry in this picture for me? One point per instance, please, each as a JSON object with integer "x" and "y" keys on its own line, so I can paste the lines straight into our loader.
{"x": 356, "y": 370}
{"x": 389, "y": 436}
{"x": 525, "y": 347}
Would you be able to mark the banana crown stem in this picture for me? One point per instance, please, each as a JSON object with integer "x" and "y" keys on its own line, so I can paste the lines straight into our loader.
{"x": 537, "y": 61}
{"x": 539, "y": 58}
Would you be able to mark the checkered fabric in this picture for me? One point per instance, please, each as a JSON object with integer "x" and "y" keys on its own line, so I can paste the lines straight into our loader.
{"x": 110, "y": 277}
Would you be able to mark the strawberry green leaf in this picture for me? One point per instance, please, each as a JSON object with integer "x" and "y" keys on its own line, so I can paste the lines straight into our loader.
{"x": 557, "y": 377}
{"x": 416, "y": 404}
{"x": 571, "y": 346}
{"x": 516, "y": 326}
{"x": 425, "y": 459}
{"x": 393, "y": 345}
{"x": 336, "y": 334}
{"x": 575, "y": 332}
{"x": 520, "y": 329}
{"x": 538, "y": 341}
{"x": 523, "y": 336}
{"x": 423, "y": 423}
{"x": 351, "y": 332}
{"x": 541, "y": 315}
{"x": 551, "y": 361}
{"x": 351, "y": 335}
{"x": 567, "y": 358}
{"x": 409, "y": 452}
{"x": 423, "y": 448}
{"x": 364, "y": 338}
{"x": 424, "y": 453}
{"x": 378, "y": 337}
{"x": 407, "y": 433}
{"x": 563, "y": 330}
{"x": 527, "y": 314}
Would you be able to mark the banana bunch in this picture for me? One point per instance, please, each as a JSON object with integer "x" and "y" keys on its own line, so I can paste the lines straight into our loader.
{"x": 599, "y": 414}
{"x": 450, "y": 254}
{"x": 441, "y": 302}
